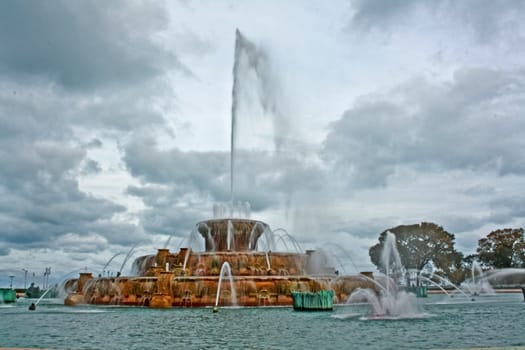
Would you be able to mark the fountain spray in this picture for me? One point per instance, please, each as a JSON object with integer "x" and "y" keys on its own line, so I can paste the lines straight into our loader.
{"x": 253, "y": 84}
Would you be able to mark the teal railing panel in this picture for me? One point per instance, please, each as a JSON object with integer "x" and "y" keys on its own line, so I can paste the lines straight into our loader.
{"x": 310, "y": 301}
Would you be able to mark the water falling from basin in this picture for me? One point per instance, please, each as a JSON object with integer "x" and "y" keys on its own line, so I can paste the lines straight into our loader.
{"x": 109, "y": 261}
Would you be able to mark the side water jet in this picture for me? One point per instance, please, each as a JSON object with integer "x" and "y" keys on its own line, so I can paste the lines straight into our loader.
{"x": 186, "y": 256}
{"x": 284, "y": 234}
{"x": 343, "y": 255}
{"x": 435, "y": 285}
{"x": 168, "y": 241}
{"x": 225, "y": 270}
{"x": 390, "y": 302}
{"x": 268, "y": 265}
{"x": 478, "y": 283}
{"x": 32, "y": 307}
{"x": 109, "y": 261}
{"x": 444, "y": 280}
{"x": 62, "y": 287}
{"x": 374, "y": 282}
{"x": 127, "y": 258}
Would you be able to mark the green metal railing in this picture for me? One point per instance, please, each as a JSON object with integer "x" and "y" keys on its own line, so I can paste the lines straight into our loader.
{"x": 309, "y": 301}
{"x": 7, "y": 295}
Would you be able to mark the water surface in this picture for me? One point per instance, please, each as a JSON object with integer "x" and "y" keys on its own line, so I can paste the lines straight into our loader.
{"x": 445, "y": 323}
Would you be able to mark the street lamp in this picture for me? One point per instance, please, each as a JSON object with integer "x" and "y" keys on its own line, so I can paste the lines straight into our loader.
{"x": 11, "y": 277}
{"x": 25, "y": 278}
{"x": 46, "y": 277}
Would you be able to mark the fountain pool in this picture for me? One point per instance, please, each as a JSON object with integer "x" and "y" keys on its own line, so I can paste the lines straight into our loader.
{"x": 448, "y": 324}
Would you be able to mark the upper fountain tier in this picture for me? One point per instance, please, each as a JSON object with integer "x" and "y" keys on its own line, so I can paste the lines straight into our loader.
{"x": 231, "y": 234}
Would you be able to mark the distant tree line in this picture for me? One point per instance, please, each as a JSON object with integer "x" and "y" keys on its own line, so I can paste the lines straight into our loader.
{"x": 427, "y": 246}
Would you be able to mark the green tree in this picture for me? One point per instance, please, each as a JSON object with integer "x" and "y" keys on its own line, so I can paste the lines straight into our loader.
{"x": 502, "y": 248}
{"x": 420, "y": 245}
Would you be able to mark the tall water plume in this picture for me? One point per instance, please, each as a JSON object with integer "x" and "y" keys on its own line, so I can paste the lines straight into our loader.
{"x": 256, "y": 116}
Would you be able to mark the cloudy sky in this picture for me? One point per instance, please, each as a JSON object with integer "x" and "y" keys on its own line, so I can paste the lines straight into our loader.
{"x": 354, "y": 117}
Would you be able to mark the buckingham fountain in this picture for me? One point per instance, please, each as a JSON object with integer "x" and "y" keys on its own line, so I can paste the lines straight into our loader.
{"x": 197, "y": 279}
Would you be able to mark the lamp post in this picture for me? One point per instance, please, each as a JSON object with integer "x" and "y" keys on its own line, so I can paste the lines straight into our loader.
{"x": 11, "y": 284}
{"x": 46, "y": 277}
{"x": 25, "y": 278}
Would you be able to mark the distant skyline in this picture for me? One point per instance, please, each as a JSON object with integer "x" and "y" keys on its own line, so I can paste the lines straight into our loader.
{"x": 115, "y": 124}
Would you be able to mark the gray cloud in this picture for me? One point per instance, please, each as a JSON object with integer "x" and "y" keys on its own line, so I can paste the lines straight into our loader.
{"x": 478, "y": 190}
{"x": 128, "y": 109}
{"x": 462, "y": 223}
{"x": 73, "y": 69}
{"x": 379, "y": 13}
{"x": 187, "y": 170}
{"x": 94, "y": 143}
{"x": 486, "y": 20}
{"x": 48, "y": 209}
{"x": 4, "y": 251}
{"x": 169, "y": 211}
{"x": 507, "y": 207}
{"x": 91, "y": 167}
{"x": 83, "y": 45}
{"x": 470, "y": 123}
{"x": 40, "y": 160}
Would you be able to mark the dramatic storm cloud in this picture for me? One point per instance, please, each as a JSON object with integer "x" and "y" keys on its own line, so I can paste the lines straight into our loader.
{"x": 73, "y": 77}
{"x": 351, "y": 117}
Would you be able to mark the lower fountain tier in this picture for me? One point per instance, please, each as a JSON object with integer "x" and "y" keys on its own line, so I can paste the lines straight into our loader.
{"x": 167, "y": 290}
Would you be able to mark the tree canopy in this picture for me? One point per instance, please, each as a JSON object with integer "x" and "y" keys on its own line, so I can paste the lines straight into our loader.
{"x": 502, "y": 248}
{"x": 419, "y": 245}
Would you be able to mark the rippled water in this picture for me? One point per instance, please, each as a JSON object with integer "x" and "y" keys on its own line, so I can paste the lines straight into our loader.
{"x": 446, "y": 323}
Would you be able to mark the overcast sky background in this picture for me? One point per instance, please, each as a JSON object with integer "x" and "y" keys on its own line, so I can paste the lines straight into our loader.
{"x": 115, "y": 123}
